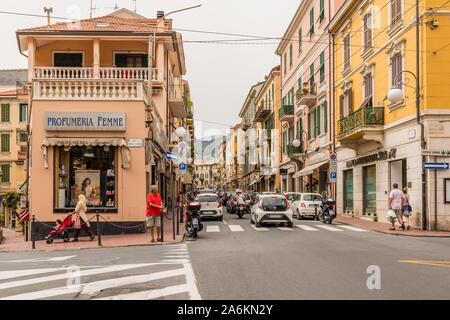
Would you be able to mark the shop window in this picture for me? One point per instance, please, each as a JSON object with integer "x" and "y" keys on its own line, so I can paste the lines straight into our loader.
{"x": 370, "y": 189}
{"x": 90, "y": 171}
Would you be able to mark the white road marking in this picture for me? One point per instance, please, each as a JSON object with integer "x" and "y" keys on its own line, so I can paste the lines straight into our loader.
{"x": 352, "y": 228}
{"x": 178, "y": 256}
{"x": 18, "y": 283}
{"x": 43, "y": 259}
{"x": 147, "y": 295}
{"x": 285, "y": 228}
{"x": 304, "y": 227}
{"x": 191, "y": 281}
{"x": 27, "y": 272}
{"x": 212, "y": 229}
{"x": 260, "y": 228}
{"x": 235, "y": 228}
{"x": 328, "y": 227}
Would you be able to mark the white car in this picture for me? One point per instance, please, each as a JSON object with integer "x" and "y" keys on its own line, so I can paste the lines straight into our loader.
{"x": 304, "y": 204}
{"x": 211, "y": 206}
{"x": 271, "y": 209}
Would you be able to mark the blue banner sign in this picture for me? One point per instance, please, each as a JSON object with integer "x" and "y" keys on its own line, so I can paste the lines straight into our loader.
{"x": 85, "y": 121}
{"x": 436, "y": 165}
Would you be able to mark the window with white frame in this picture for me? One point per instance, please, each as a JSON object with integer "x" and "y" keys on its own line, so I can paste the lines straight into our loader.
{"x": 396, "y": 12}
{"x": 396, "y": 69}
{"x": 367, "y": 85}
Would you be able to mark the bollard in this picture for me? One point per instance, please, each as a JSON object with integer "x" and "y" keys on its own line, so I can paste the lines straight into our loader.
{"x": 32, "y": 233}
{"x": 98, "y": 232}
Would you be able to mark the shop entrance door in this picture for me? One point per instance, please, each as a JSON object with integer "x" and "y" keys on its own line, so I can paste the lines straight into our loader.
{"x": 370, "y": 190}
{"x": 398, "y": 173}
{"x": 348, "y": 190}
{"x": 323, "y": 180}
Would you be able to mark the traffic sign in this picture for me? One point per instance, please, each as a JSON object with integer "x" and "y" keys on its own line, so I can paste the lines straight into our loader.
{"x": 333, "y": 175}
{"x": 182, "y": 166}
{"x": 436, "y": 165}
{"x": 333, "y": 156}
{"x": 437, "y": 153}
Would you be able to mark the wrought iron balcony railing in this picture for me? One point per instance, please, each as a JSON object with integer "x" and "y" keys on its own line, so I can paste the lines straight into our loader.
{"x": 291, "y": 150}
{"x": 286, "y": 111}
{"x": 368, "y": 116}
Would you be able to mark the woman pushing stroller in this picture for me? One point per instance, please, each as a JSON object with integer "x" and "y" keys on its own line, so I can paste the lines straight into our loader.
{"x": 80, "y": 221}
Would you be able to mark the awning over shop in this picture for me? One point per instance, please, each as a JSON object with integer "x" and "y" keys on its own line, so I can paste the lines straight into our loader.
{"x": 309, "y": 169}
{"x": 83, "y": 142}
{"x": 256, "y": 181}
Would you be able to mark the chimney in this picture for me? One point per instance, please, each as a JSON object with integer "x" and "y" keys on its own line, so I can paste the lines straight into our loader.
{"x": 159, "y": 14}
{"x": 48, "y": 11}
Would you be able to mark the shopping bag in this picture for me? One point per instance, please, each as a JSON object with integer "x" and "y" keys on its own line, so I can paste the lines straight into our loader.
{"x": 391, "y": 214}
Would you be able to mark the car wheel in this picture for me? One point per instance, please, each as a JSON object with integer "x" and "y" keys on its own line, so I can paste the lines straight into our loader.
{"x": 290, "y": 224}
{"x": 258, "y": 224}
{"x": 220, "y": 218}
{"x": 299, "y": 216}
{"x": 251, "y": 220}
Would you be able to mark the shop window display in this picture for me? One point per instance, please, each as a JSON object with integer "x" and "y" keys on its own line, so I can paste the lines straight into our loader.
{"x": 90, "y": 171}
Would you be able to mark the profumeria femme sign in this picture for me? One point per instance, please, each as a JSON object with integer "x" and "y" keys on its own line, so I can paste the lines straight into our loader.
{"x": 381, "y": 155}
{"x": 85, "y": 121}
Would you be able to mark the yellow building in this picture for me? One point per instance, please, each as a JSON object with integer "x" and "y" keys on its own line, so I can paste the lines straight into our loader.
{"x": 268, "y": 102}
{"x": 13, "y": 144}
{"x": 378, "y": 141}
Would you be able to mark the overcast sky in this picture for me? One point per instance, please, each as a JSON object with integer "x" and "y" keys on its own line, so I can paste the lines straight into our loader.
{"x": 219, "y": 75}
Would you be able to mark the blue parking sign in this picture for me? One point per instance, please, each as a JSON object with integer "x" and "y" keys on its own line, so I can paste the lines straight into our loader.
{"x": 333, "y": 175}
{"x": 182, "y": 166}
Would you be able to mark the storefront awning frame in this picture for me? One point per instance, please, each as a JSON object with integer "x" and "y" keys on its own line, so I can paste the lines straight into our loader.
{"x": 309, "y": 169}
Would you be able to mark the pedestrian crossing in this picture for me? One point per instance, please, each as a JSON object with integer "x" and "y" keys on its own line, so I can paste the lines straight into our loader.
{"x": 304, "y": 227}
{"x": 171, "y": 276}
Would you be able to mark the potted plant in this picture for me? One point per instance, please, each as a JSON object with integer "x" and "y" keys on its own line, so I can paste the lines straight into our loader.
{"x": 11, "y": 199}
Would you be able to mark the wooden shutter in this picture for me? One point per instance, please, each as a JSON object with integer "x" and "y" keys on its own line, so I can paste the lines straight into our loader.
{"x": 300, "y": 39}
{"x": 322, "y": 10}
{"x": 311, "y": 74}
{"x": 309, "y": 125}
{"x": 325, "y": 120}
{"x": 315, "y": 123}
{"x": 318, "y": 120}
{"x": 350, "y": 100}
{"x": 5, "y": 112}
{"x": 5, "y": 142}
{"x": 5, "y": 172}
{"x": 341, "y": 106}
{"x": 322, "y": 67}
{"x": 311, "y": 21}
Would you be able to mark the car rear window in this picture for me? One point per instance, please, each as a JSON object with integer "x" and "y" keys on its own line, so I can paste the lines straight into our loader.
{"x": 247, "y": 197}
{"x": 208, "y": 199}
{"x": 293, "y": 197}
{"x": 274, "y": 204}
{"x": 312, "y": 197}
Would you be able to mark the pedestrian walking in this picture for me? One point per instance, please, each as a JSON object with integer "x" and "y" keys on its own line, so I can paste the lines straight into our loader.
{"x": 396, "y": 202}
{"x": 406, "y": 212}
{"x": 80, "y": 219}
{"x": 153, "y": 213}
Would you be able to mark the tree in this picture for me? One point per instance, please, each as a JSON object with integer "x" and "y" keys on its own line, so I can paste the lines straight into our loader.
{"x": 11, "y": 200}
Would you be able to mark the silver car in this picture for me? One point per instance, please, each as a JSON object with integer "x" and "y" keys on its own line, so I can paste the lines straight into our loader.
{"x": 271, "y": 209}
{"x": 211, "y": 206}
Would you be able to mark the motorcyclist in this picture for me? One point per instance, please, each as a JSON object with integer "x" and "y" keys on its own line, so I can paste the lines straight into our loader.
{"x": 239, "y": 197}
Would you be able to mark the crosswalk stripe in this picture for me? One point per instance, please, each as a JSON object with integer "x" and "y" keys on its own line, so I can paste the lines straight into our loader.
{"x": 18, "y": 283}
{"x": 353, "y": 228}
{"x": 27, "y": 272}
{"x": 304, "y": 227}
{"x": 212, "y": 229}
{"x": 235, "y": 228}
{"x": 260, "y": 228}
{"x": 97, "y": 286}
{"x": 328, "y": 227}
{"x": 147, "y": 295}
{"x": 285, "y": 228}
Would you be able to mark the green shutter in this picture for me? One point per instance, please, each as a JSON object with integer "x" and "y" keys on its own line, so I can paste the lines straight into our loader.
{"x": 318, "y": 120}
{"x": 315, "y": 123}
{"x": 285, "y": 62}
{"x": 309, "y": 125}
{"x": 290, "y": 55}
{"x": 325, "y": 116}
{"x": 300, "y": 39}
{"x": 5, "y": 142}
{"x": 322, "y": 66}
{"x": 5, "y": 112}
{"x": 322, "y": 10}
{"x": 300, "y": 83}
{"x": 311, "y": 74}
{"x": 311, "y": 21}
{"x": 20, "y": 112}
{"x": 5, "y": 172}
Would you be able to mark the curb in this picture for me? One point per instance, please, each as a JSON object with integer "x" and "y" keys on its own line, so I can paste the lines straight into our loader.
{"x": 397, "y": 233}
{"x": 101, "y": 247}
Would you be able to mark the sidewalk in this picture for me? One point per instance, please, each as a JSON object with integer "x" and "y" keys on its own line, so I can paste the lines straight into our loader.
{"x": 384, "y": 227}
{"x": 14, "y": 241}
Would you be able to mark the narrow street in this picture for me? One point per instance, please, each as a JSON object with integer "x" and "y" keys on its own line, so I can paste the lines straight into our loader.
{"x": 234, "y": 260}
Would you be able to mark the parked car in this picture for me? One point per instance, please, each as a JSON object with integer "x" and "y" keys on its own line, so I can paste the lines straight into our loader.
{"x": 304, "y": 204}
{"x": 211, "y": 206}
{"x": 271, "y": 209}
{"x": 225, "y": 198}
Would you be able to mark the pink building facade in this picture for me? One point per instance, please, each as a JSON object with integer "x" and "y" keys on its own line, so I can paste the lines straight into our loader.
{"x": 306, "y": 114}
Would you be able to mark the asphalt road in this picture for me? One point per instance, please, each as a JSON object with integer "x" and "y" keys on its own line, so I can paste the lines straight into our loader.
{"x": 233, "y": 260}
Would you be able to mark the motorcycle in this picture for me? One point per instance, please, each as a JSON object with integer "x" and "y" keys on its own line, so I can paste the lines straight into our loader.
{"x": 327, "y": 212}
{"x": 241, "y": 210}
{"x": 193, "y": 221}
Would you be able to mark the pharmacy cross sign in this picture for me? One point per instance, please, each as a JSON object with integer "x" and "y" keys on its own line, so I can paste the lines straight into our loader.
{"x": 437, "y": 153}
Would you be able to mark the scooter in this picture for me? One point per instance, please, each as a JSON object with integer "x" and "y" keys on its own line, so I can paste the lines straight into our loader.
{"x": 241, "y": 210}
{"x": 193, "y": 221}
{"x": 327, "y": 212}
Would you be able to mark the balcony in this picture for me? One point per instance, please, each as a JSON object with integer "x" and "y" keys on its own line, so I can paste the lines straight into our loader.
{"x": 362, "y": 125}
{"x": 177, "y": 104}
{"x": 21, "y": 155}
{"x": 262, "y": 112}
{"x": 286, "y": 113}
{"x": 306, "y": 96}
{"x": 292, "y": 151}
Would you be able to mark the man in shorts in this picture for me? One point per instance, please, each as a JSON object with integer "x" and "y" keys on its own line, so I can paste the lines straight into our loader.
{"x": 153, "y": 212}
{"x": 396, "y": 202}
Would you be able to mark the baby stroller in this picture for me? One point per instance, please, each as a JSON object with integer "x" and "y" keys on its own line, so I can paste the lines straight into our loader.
{"x": 62, "y": 232}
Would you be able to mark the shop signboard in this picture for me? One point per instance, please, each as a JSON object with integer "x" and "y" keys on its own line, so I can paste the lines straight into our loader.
{"x": 436, "y": 153}
{"x": 135, "y": 143}
{"x": 85, "y": 121}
